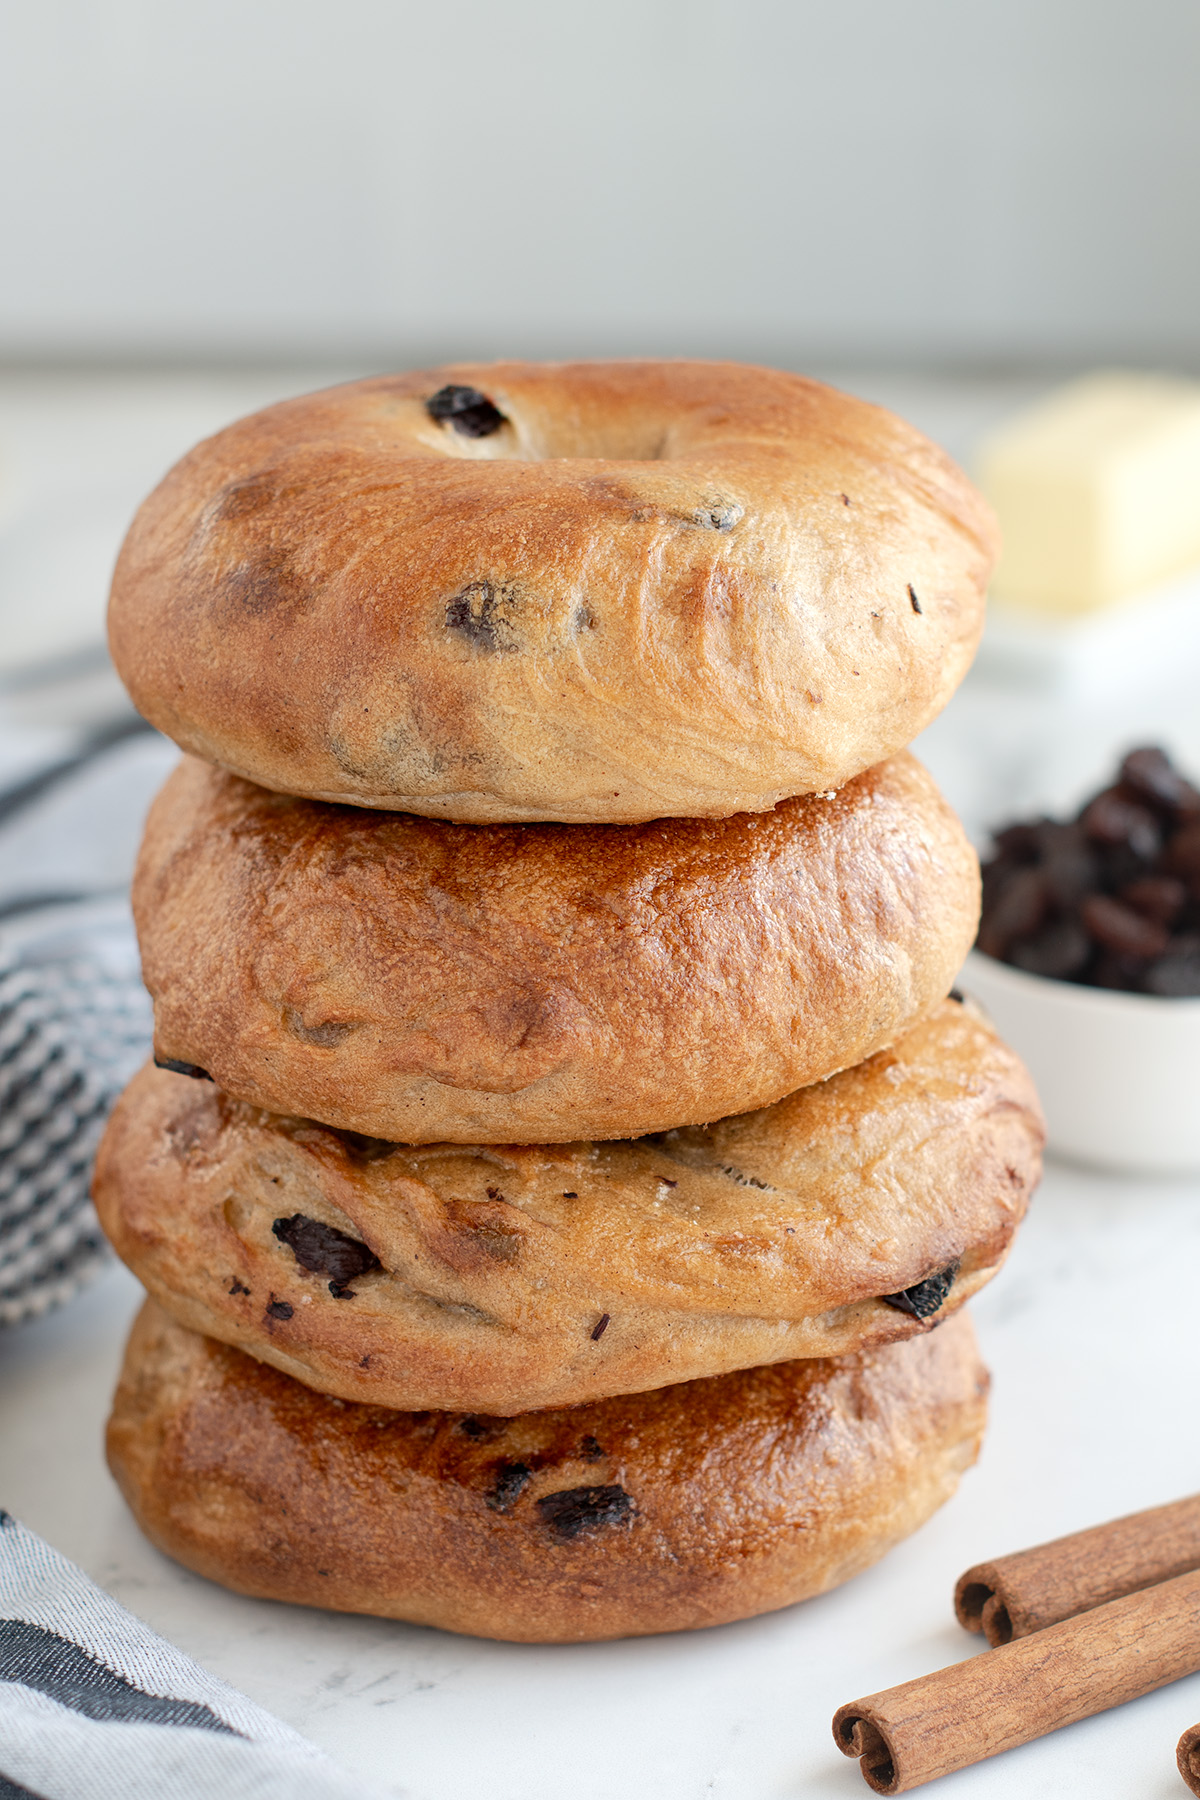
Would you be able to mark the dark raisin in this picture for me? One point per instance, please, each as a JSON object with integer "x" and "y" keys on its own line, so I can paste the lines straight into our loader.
{"x": 997, "y": 874}
{"x": 1016, "y": 912}
{"x": 483, "y": 613}
{"x": 469, "y": 411}
{"x": 1112, "y": 819}
{"x": 1069, "y": 865}
{"x": 1120, "y": 928}
{"x": 1183, "y": 857}
{"x": 1019, "y": 843}
{"x": 1094, "y": 900}
{"x": 915, "y": 603}
{"x": 182, "y": 1068}
{"x": 600, "y": 1327}
{"x": 1112, "y": 970}
{"x": 279, "y": 1309}
{"x": 511, "y": 1481}
{"x": 239, "y": 1287}
{"x": 577, "y": 1510}
{"x": 923, "y": 1299}
{"x": 1059, "y": 950}
{"x": 957, "y": 994}
{"x": 1119, "y": 865}
{"x": 570, "y": 1195}
{"x": 1159, "y": 897}
{"x": 590, "y": 1449}
{"x": 324, "y": 1250}
{"x": 475, "y": 1428}
{"x": 1149, "y": 774}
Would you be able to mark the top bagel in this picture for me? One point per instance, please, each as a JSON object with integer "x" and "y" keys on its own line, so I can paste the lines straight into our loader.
{"x": 584, "y": 592}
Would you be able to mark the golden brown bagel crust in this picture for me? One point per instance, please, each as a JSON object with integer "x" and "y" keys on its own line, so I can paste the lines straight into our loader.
{"x": 659, "y": 588}
{"x": 689, "y": 1506}
{"x": 519, "y": 1277}
{"x": 429, "y": 982}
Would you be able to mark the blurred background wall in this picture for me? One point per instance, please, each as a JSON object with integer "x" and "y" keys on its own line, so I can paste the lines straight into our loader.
{"x": 938, "y": 183}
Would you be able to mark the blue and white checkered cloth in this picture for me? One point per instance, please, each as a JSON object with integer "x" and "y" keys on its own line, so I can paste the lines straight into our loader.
{"x": 74, "y": 1019}
{"x": 95, "y": 1706}
{"x": 75, "y": 1024}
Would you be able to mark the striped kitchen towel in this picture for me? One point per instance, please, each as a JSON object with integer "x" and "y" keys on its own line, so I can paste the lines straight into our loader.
{"x": 95, "y": 1706}
{"x": 74, "y": 1026}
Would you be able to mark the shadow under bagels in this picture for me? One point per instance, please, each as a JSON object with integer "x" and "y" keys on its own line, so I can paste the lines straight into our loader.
{"x": 662, "y": 1511}
{"x": 423, "y": 981}
{"x": 601, "y": 592}
{"x": 506, "y": 1277}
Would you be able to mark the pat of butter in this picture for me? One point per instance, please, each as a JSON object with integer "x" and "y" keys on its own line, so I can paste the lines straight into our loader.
{"x": 1098, "y": 491}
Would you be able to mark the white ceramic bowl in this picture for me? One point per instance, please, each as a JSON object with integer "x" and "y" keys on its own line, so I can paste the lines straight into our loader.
{"x": 1118, "y": 1074}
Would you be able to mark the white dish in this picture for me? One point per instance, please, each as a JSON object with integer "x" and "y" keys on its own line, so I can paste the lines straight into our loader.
{"x": 1118, "y": 1074}
{"x": 1134, "y": 644}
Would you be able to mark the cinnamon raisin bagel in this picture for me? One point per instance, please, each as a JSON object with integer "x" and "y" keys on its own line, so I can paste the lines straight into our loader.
{"x": 428, "y": 982}
{"x": 502, "y": 1278}
{"x": 581, "y": 591}
{"x": 657, "y": 1512}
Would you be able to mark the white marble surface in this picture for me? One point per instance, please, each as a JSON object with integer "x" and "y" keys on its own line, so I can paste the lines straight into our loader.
{"x": 1090, "y": 1332}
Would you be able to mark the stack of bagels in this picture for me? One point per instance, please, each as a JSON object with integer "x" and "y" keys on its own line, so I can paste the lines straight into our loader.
{"x": 561, "y": 1145}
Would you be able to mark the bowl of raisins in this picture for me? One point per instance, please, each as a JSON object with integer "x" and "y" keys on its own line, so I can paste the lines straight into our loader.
{"x": 1088, "y": 960}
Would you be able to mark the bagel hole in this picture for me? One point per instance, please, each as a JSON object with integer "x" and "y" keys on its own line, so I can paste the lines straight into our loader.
{"x": 533, "y": 435}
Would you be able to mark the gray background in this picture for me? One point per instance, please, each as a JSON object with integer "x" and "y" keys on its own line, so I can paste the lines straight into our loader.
{"x": 982, "y": 183}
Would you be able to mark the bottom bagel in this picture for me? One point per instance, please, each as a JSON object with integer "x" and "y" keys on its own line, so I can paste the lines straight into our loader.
{"x": 690, "y": 1505}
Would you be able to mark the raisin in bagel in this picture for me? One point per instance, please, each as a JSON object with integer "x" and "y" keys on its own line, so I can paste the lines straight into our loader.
{"x": 426, "y": 982}
{"x": 653, "y": 1512}
{"x": 584, "y": 591}
{"x": 505, "y": 1278}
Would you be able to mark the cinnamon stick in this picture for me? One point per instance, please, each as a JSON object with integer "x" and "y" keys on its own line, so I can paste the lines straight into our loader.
{"x": 1188, "y": 1757}
{"x": 929, "y": 1727}
{"x": 1014, "y": 1595}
